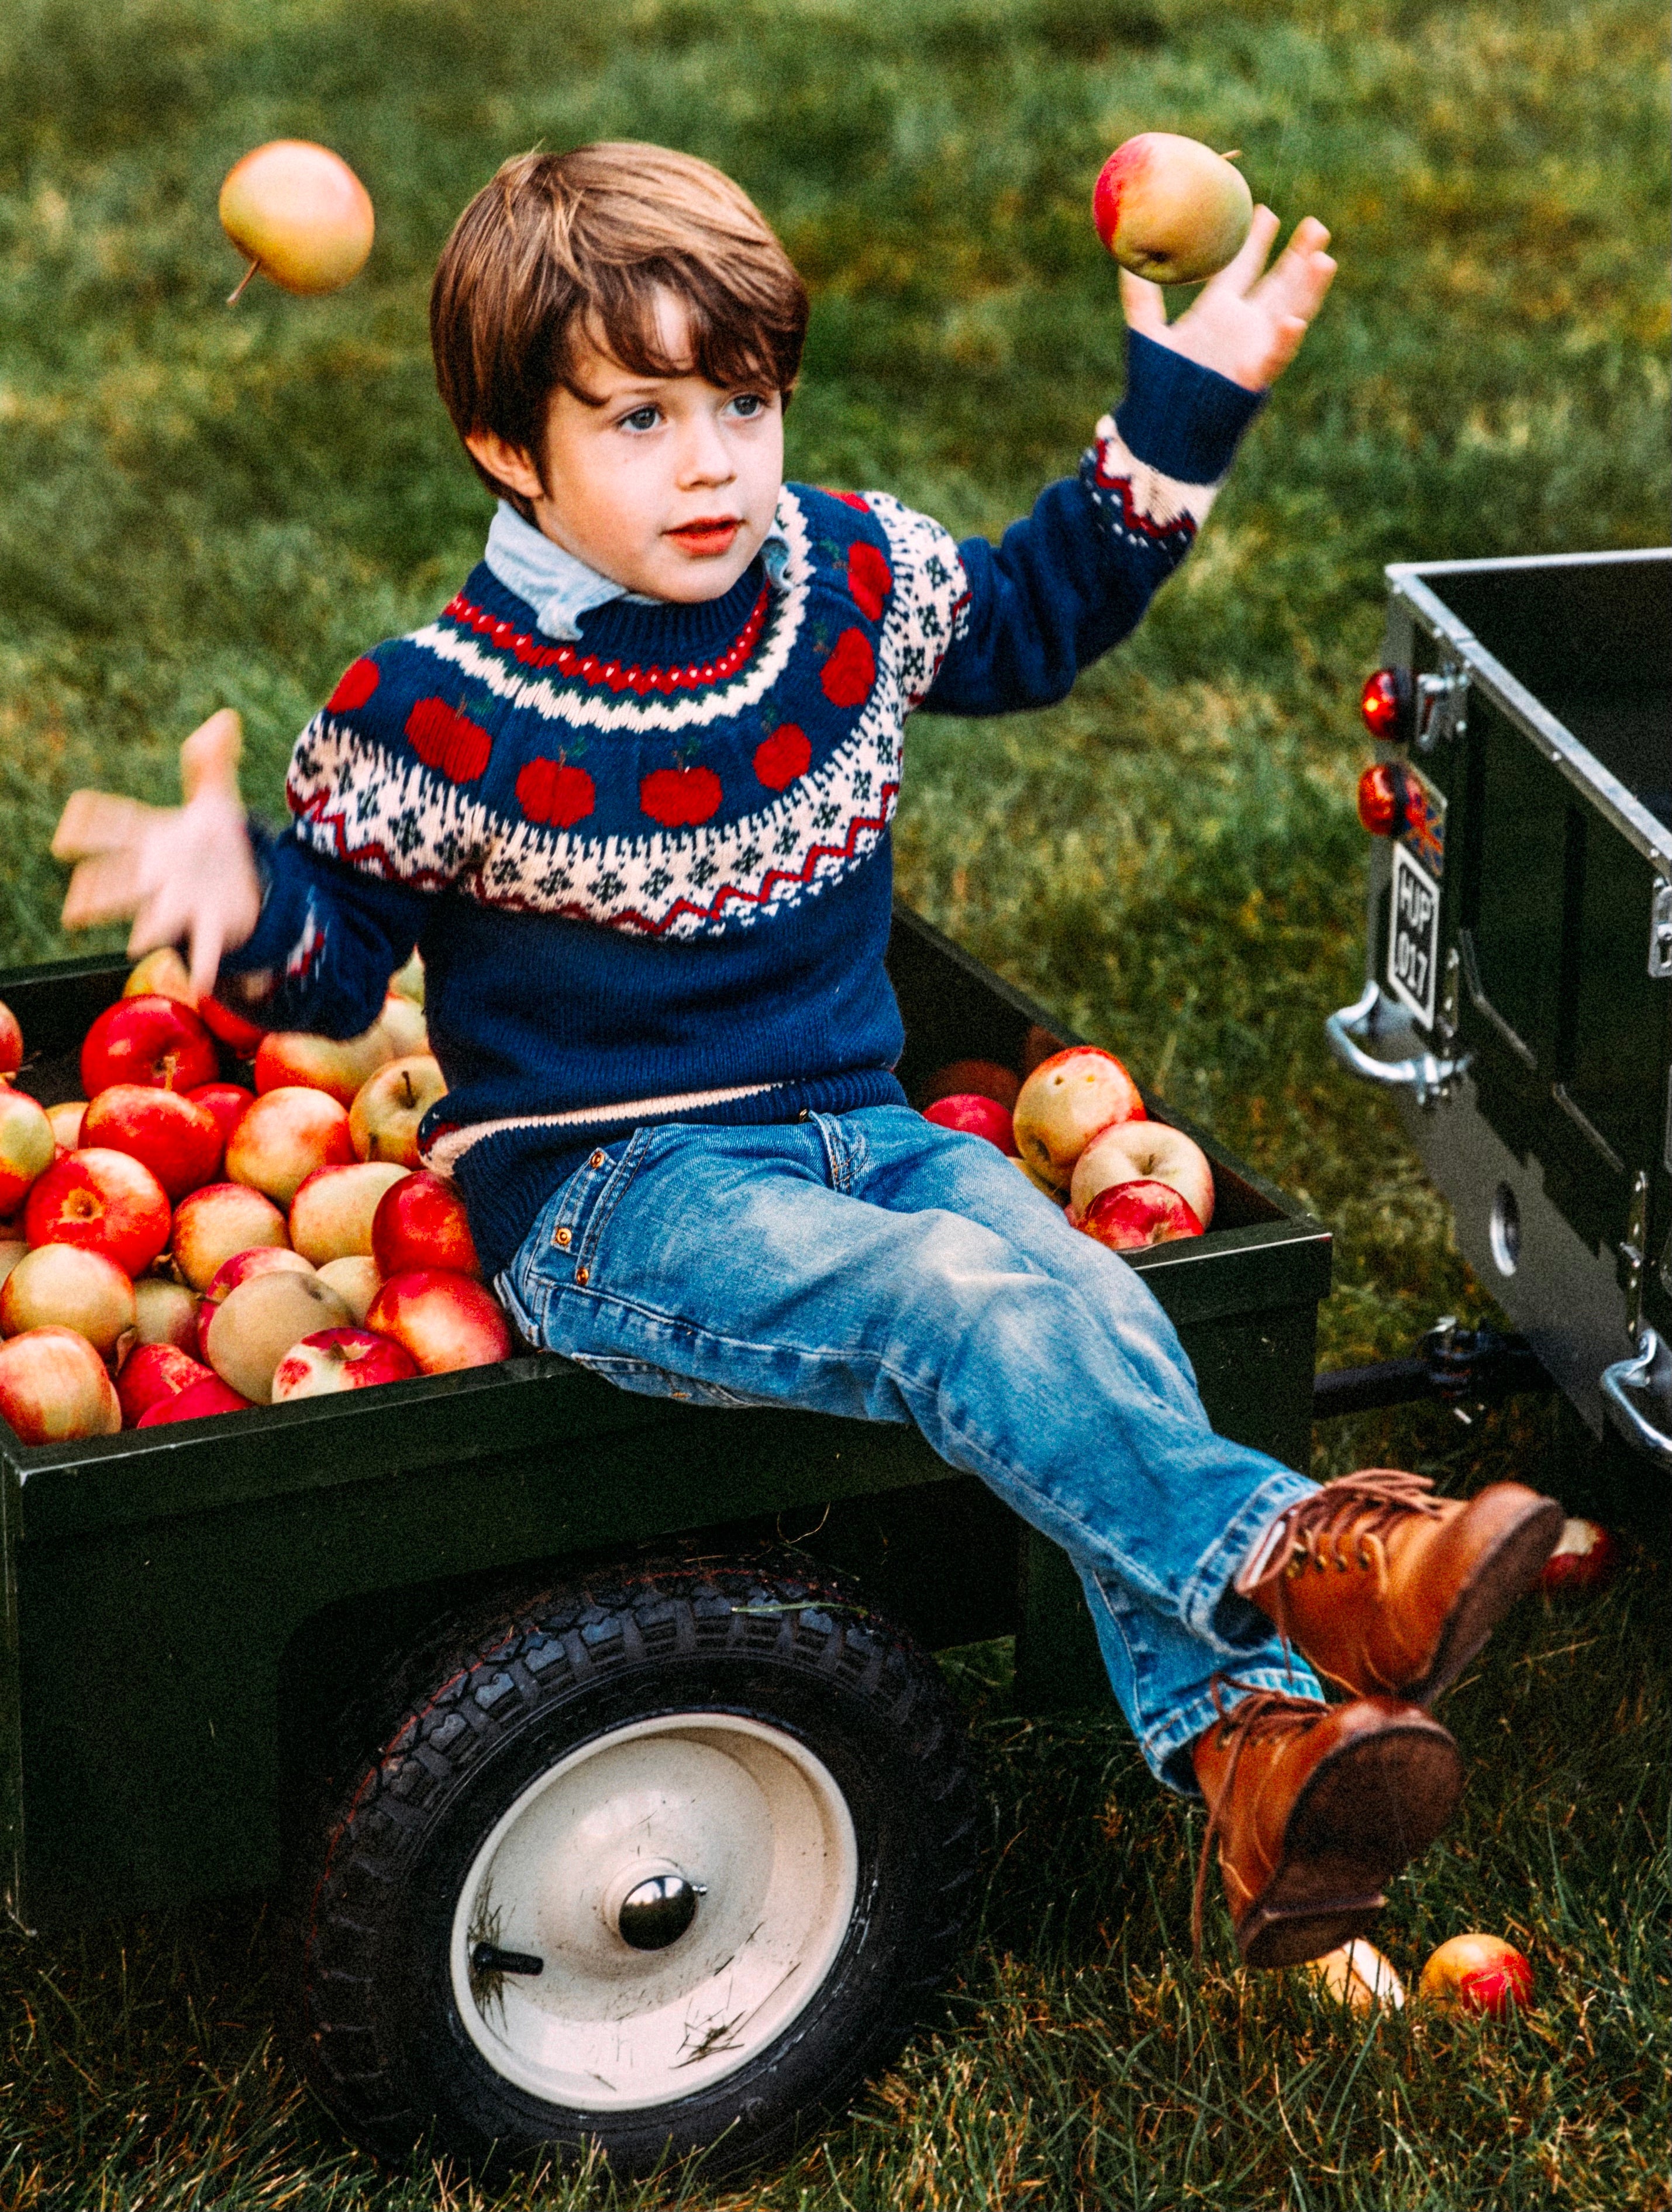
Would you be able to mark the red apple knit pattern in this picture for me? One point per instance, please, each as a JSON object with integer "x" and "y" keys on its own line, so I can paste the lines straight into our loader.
{"x": 649, "y": 870}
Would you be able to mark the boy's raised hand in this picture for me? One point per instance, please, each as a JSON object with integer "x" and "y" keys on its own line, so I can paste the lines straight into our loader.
{"x": 1247, "y": 325}
{"x": 186, "y": 874}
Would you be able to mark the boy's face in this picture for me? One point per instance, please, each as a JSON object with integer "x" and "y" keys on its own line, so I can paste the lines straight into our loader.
{"x": 666, "y": 485}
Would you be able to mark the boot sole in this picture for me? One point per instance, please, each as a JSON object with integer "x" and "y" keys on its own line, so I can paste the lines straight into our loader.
{"x": 1507, "y": 1570}
{"x": 1363, "y": 1812}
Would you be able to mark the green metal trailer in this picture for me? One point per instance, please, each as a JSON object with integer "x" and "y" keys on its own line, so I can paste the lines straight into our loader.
{"x": 588, "y": 1739}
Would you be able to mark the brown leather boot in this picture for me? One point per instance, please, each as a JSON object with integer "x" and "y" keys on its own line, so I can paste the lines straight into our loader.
{"x": 1390, "y": 1590}
{"x": 1315, "y": 1807}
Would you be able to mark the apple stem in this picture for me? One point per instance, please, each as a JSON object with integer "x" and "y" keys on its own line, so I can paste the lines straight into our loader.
{"x": 1234, "y": 154}
{"x": 233, "y": 297}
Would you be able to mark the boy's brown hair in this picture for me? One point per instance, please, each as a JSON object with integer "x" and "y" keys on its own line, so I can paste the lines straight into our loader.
{"x": 564, "y": 245}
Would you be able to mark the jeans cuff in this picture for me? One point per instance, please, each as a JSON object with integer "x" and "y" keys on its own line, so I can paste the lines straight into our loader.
{"x": 1214, "y": 1572}
{"x": 1166, "y": 1749}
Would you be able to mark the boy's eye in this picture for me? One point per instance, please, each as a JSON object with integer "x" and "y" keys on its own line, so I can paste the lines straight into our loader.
{"x": 748, "y": 404}
{"x": 641, "y": 418}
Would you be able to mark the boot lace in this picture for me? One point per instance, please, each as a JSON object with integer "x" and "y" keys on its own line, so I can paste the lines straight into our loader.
{"x": 1257, "y": 1714}
{"x": 1314, "y": 1530}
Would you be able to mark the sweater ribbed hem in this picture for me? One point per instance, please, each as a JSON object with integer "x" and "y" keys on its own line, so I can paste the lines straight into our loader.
{"x": 1179, "y": 417}
{"x": 507, "y": 1178}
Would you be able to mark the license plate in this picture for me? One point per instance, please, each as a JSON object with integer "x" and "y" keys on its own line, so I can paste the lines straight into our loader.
{"x": 1414, "y": 936}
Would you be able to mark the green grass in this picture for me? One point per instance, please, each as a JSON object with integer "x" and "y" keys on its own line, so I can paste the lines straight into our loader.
{"x": 206, "y": 507}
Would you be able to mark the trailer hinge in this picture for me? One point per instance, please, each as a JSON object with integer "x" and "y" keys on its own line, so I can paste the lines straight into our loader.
{"x": 1660, "y": 930}
{"x": 1634, "y": 1251}
{"x": 1442, "y": 707}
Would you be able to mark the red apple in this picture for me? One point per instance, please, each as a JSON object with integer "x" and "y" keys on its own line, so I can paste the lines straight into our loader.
{"x": 164, "y": 1313}
{"x": 1131, "y": 1151}
{"x": 356, "y": 1281}
{"x": 1586, "y": 1558}
{"x": 27, "y": 1146}
{"x": 1171, "y": 208}
{"x": 151, "y": 1040}
{"x": 1479, "y": 1974}
{"x": 226, "y": 1101}
{"x": 11, "y": 1041}
{"x": 977, "y": 1115}
{"x": 420, "y": 1222}
{"x": 445, "y": 1321}
{"x": 177, "y": 1139}
{"x": 1129, "y": 1215}
{"x": 330, "y": 1215}
{"x": 62, "y": 1286}
{"x": 260, "y": 1260}
{"x": 383, "y": 1121}
{"x": 212, "y": 1223}
{"x": 152, "y": 1372}
{"x": 66, "y": 1120}
{"x": 161, "y": 974}
{"x": 284, "y": 1137}
{"x": 241, "y": 1038}
{"x": 340, "y": 1360}
{"x": 297, "y": 212}
{"x": 337, "y": 1065}
{"x": 1065, "y": 1101}
{"x": 195, "y": 1403}
{"x": 260, "y": 1321}
{"x": 105, "y": 1201}
{"x": 985, "y": 1077}
{"x": 53, "y": 1388}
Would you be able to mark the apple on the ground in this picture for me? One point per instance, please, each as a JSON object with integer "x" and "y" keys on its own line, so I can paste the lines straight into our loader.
{"x": 299, "y": 214}
{"x": 1480, "y": 1974}
{"x": 27, "y": 1146}
{"x": 54, "y": 1387}
{"x": 1171, "y": 209}
{"x": 284, "y": 1137}
{"x": 212, "y": 1224}
{"x": 106, "y": 1201}
{"x": 154, "y": 1371}
{"x": 420, "y": 1222}
{"x": 331, "y": 1214}
{"x": 150, "y": 1039}
{"x": 446, "y": 1321}
{"x": 1128, "y": 1216}
{"x": 1064, "y": 1102}
{"x": 356, "y": 1281}
{"x": 177, "y": 1139}
{"x": 195, "y": 1403}
{"x": 64, "y": 1287}
{"x": 975, "y": 1115}
{"x": 165, "y": 1313}
{"x": 1586, "y": 1558}
{"x": 340, "y": 1360}
{"x": 383, "y": 1121}
{"x": 1130, "y": 1150}
{"x": 259, "y": 1322}
{"x": 1358, "y": 1976}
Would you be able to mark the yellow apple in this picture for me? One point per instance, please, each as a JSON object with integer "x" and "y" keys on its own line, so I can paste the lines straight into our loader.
{"x": 1171, "y": 208}
{"x": 299, "y": 214}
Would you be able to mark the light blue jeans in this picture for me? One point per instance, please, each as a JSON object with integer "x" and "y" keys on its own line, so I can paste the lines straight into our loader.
{"x": 874, "y": 1265}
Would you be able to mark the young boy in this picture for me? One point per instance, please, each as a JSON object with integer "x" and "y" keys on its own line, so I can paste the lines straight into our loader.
{"x": 630, "y": 794}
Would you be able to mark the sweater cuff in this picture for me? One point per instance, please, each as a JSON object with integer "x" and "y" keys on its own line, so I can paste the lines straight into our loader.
{"x": 1178, "y": 417}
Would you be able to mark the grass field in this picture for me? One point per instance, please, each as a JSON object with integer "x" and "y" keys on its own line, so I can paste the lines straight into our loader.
{"x": 205, "y": 507}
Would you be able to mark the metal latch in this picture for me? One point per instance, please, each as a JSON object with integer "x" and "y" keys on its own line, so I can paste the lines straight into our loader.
{"x": 1634, "y": 1251}
{"x": 1660, "y": 930}
{"x": 1442, "y": 708}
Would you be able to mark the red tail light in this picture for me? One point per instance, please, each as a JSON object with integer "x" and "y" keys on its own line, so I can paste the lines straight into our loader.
{"x": 1385, "y": 702}
{"x": 1382, "y": 799}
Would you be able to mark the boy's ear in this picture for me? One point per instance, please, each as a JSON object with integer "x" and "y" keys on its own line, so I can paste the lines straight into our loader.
{"x": 513, "y": 465}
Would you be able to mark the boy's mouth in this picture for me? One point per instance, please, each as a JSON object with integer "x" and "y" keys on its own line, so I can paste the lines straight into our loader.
{"x": 708, "y": 535}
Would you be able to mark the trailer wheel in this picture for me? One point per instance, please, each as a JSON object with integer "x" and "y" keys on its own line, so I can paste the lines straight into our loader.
{"x": 665, "y": 1864}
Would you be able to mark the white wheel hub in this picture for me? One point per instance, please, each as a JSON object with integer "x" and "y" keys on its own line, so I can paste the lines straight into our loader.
{"x": 724, "y": 1848}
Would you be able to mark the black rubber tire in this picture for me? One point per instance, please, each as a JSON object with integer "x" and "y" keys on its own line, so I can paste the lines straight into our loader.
{"x": 378, "y": 1865}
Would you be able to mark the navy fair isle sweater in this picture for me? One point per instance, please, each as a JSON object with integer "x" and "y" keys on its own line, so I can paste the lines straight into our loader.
{"x": 649, "y": 870}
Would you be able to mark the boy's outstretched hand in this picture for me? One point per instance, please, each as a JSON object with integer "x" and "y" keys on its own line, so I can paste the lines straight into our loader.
{"x": 186, "y": 874}
{"x": 1247, "y": 325}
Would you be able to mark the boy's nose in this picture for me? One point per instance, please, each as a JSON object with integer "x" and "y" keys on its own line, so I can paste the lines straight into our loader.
{"x": 704, "y": 457}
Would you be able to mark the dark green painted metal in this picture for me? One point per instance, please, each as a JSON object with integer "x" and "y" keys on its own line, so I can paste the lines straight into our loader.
{"x": 191, "y": 1601}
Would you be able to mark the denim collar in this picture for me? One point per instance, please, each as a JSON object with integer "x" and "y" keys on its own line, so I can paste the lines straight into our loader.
{"x": 561, "y": 588}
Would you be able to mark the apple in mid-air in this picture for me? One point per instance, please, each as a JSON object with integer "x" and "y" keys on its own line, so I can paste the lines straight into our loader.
{"x": 1171, "y": 208}
{"x": 298, "y": 213}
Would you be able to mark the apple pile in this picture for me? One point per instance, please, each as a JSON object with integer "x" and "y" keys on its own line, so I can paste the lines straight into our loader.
{"x": 1076, "y": 1125}
{"x": 176, "y": 1245}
